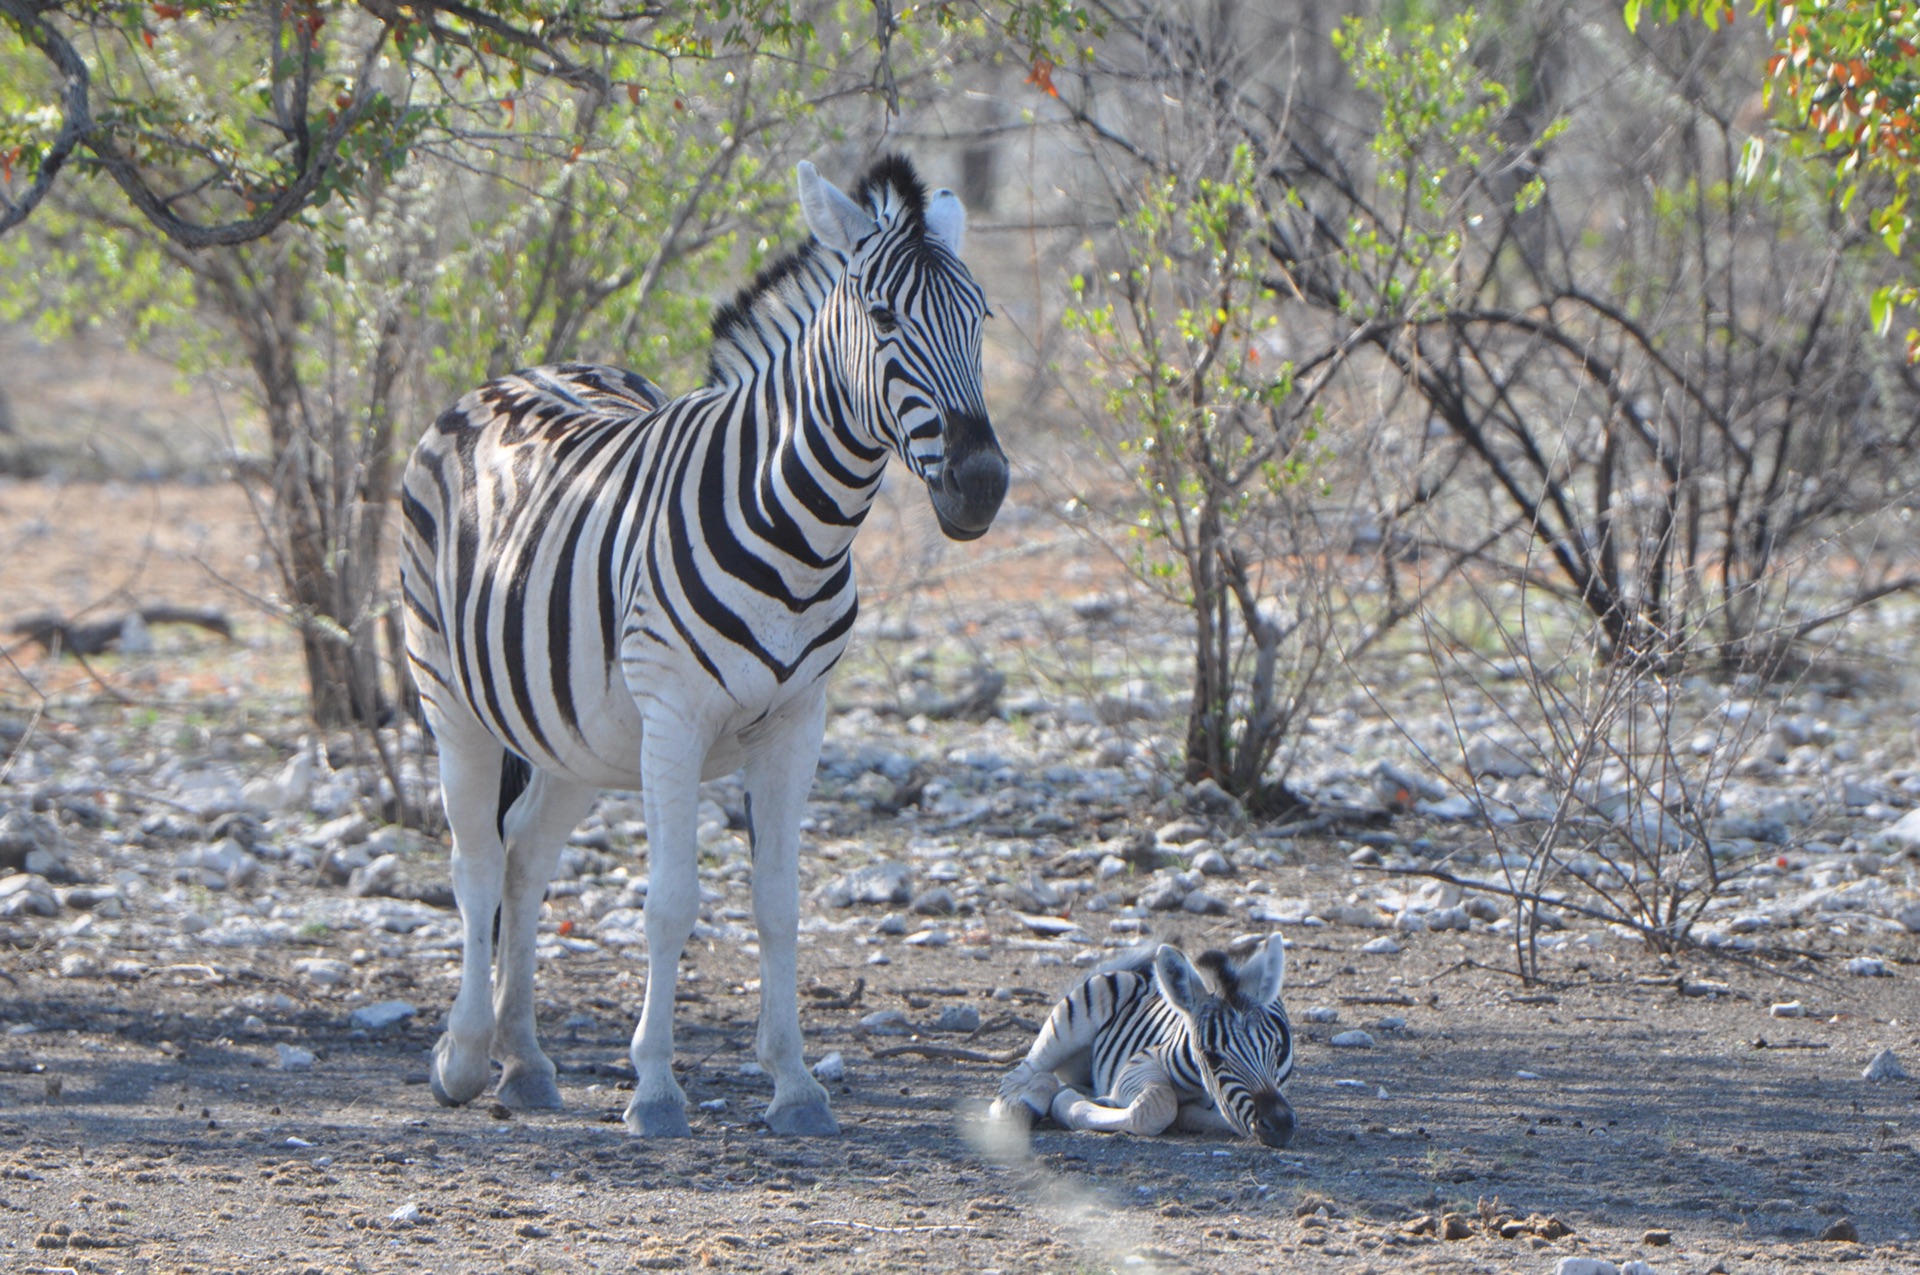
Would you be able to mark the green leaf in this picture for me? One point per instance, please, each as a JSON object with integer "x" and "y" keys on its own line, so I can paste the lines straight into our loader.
{"x": 1881, "y": 309}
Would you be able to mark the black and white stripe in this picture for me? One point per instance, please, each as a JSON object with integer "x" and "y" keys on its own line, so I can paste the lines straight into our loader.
{"x": 627, "y": 589}
{"x": 1146, "y": 1042}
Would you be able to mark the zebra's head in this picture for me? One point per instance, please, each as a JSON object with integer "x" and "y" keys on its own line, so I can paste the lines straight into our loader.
{"x": 1240, "y": 1035}
{"x": 908, "y": 317}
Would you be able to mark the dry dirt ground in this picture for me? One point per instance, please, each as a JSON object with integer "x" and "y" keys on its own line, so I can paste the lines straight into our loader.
{"x": 1633, "y": 1108}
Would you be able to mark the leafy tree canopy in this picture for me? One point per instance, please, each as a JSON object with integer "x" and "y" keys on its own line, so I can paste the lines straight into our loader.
{"x": 222, "y": 119}
{"x": 1845, "y": 74}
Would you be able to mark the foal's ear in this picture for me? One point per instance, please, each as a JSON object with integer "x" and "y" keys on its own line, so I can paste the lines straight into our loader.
{"x": 836, "y": 221}
{"x": 946, "y": 219}
{"x": 1261, "y": 976}
{"x": 1178, "y": 981}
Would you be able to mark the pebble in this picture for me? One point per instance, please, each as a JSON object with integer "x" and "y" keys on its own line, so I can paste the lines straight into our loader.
{"x": 1322, "y": 1014}
{"x": 957, "y": 1019}
{"x": 1391, "y": 1023}
{"x": 1385, "y": 945}
{"x": 935, "y": 937}
{"x": 938, "y": 901}
{"x": 1200, "y": 903}
{"x": 1869, "y": 967}
{"x": 887, "y": 1022}
{"x": 1051, "y": 926}
{"x": 380, "y": 1016}
{"x": 294, "y": 1058}
{"x": 892, "y": 923}
{"x": 406, "y": 1215}
{"x": 1841, "y": 1232}
{"x": 1903, "y": 832}
{"x": 1787, "y": 1009}
{"x": 27, "y": 894}
{"x": 1355, "y": 1039}
{"x": 78, "y": 965}
{"x": 1212, "y": 863}
{"x": 1164, "y": 897}
{"x": 714, "y": 1106}
{"x": 831, "y": 1069}
{"x": 1884, "y": 1067}
{"x": 322, "y": 970}
{"x": 885, "y": 882}
{"x": 1585, "y": 1266}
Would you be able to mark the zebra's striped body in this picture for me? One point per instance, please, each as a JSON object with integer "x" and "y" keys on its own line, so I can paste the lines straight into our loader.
{"x": 626, "y": 590}
{"x": 1143, "y": 1044}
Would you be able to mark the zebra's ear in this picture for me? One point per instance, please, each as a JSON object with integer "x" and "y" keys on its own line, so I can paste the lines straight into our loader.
{"x": 1259, "y": 979}
{"x": 946, "y": 219}
{"x": 835, "y": 220}
{"x": 1179, "y": 982}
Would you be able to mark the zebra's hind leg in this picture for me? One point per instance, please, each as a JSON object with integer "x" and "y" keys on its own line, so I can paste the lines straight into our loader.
{"x": 470, "y": 762}
{"x": 537, "y": 828}
{"x": 780, "y": 768}
{"x": 1143, "y": 1102}
{"x": 670, "y": 762}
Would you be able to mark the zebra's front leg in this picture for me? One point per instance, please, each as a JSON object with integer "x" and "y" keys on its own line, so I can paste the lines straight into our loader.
{"x": 470, "y": 764}
{"x": 670, "y": 762}
{"x": 780, "y": 768}
{"x": 1143, "y": 1102}
{"x": 537, "y": 828}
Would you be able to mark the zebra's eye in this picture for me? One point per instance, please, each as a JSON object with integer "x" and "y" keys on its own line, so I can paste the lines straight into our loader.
{"x": 882, "y": 317}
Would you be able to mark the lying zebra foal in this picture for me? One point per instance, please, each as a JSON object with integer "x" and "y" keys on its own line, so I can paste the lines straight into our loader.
{"x": 1158, "y": 1048}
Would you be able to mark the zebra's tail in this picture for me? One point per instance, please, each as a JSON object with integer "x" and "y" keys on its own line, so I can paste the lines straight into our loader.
{"x": 516, "y": 772}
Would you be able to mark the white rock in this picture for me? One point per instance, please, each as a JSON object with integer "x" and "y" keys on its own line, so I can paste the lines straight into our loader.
{"x": 294, "y": 1058}
{"x": 322, "y": 970}
{"x": 714, "y": 1106}
{"x": 887, "y": 1022}
{"x": 935, "y": 937}
{"x": 1449, "y": 919}
{"x": 1454, "y": 808}
{"x": 1051, "y": 926}
{"x": 1638, "y": 1267}
{"x": 407, "y": 1214}
{"x": 832, "y": 1068}
{"x": 1884, "y": 1067}
{"x": 1904, "y": 833}
{"x": 1585, "y": 1266}
{"x": 379, "y": 1017}
{"x": 1868, "y": 967}
{"x": 1788, "y": 1009}
{"x": 78, "y": 965}
{"x": 1910, "y": 917}
{"x": 1322, "y": 1014}
{"x": 1385, "y": 945}
{"x": 1488, "y": 756}
{"x": 27, "y": 894}
{"x": 1355, "y": 1039}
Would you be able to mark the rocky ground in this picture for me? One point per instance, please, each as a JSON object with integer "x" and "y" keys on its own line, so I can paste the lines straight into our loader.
{"x": 222, "y": 972}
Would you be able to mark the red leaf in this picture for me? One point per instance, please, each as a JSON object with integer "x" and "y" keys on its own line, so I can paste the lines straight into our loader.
{"x": 633, "y": 94}
{"x": 6, "y": 163}
{"x": 168, "y": 11}
{"x": 147, "y": 36}
{"x": 1042, "y": 76}
{"x": 566, "y": 928}
{"x": 678, "y": 105}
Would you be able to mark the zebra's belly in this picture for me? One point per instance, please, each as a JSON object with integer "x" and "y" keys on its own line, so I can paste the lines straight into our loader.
{"x": 603, "y": 749}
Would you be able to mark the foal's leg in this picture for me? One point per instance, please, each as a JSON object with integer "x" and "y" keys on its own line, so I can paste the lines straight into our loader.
{"x": 671, "y": 757}
{"x": 537, "y": 829}
{"x": 470, "y": 762}
{"x": 1143, "y": 1102}
{"x": 780, "y": 767}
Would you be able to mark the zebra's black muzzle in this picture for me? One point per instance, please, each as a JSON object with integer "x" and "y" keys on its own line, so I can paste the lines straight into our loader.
{"x": 1274, "y": 1125}
{"x": 972, "y": 482}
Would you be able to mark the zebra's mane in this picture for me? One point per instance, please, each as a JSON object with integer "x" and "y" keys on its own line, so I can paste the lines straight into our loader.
{"x": 1218, "y": 970}
{"x": 791, "y": 287}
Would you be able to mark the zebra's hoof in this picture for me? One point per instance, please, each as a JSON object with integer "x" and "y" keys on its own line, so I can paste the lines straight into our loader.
{"x": 454, "y": 1086}
{"x": 802, "y": 1120}
{"x": 529, "y": 1091}
{"x": 661, "y": 1118}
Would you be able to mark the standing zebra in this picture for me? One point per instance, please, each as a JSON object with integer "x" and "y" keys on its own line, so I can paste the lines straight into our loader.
{"x": 607, "y": 588}
{"x": 1157, "y": 1049}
